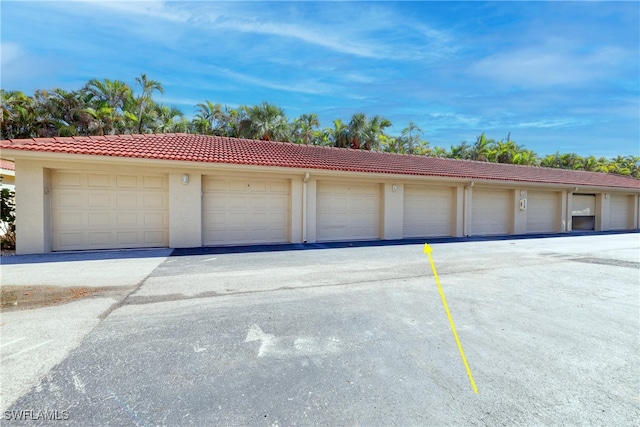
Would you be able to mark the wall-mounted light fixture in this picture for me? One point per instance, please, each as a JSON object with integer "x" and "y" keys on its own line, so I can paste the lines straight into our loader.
{"x": 606, "y": 195}
{"x": 185, "y": 178}
{"x": 394, "y": 188}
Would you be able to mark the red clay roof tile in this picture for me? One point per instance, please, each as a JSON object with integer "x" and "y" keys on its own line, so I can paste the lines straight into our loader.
{"x": 214, "y": 149}
{"x": 7, "y": 165}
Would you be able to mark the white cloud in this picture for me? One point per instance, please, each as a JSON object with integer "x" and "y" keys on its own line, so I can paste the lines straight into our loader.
{"x": 549, "y": 65}
{"x": 145, "y": 8}
{"x": 9, "y": 52}
{"x": 307, "y": 86}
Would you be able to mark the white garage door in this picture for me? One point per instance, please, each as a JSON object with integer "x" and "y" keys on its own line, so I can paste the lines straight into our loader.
{"x": 100, "y": 210}
{"x": 348, "y": 211}
{"x": 245, "y": 211}
{"x": 427, "y": 211}
{"x": 490, "y": 212}
{"x": 620, "y": 211}
{"x": 542, "y": 211}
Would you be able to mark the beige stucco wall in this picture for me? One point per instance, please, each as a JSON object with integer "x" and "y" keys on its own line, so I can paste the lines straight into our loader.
{"x": 185, "y": 210}
{"x": 32, "y": 214}
{"x": 392, "y": 210}
{"x": 185, "y": 201}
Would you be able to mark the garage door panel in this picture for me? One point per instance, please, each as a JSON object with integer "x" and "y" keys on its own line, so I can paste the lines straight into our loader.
{"x": 99, "y": 200}
{"x": 542, "y": 211}
{"x": 98, "y": 180}
{"x": 127, "y": 200}
{"x": 69, "y": 200}
{"x": 70, "y": 219}
{"x": 347, "y": 211}
{"x": 126, "y": 181}
{"x": 427, "y": 211}
{"x": 99, "y": 219}
{"x": 235, "y": 185}
{"x": 126, "y": 219}
{"x": 98, "y": 238}
{"x": 154, "y": 219}
{"x": 245, "y": 211}
{"x": 104, "y": 211}
{"x": 71, "y": 239}
{"x": 154, "y": 238}
{"x": 153, "y": 182}
{"x": 155, "y": 200}
{"x": 278, "y": 187}
{"x": 258, "y": 186}
{"x": 127, "y": 237}
{"x": 490, "y": 212}
{"x": 68, "y": 179}
{"x": 620, "y": 211}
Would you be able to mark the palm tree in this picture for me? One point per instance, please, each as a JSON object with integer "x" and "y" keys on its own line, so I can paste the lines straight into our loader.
{"x": 107, "y": 104}
{"x": 167, "y": 119}
{"x": 375, "y": 129}
{"x": 208, "y": 117}
{"x": 357, "y": 129}
{"x": 19, "y": 118}
{"x": 525, "y": 157}
{"x": 339, "y": 135}
{"x": 440, "y": 152}
{"x": 114, "y": 92}
{"x": 411, "y": 135}
{"x": 460, "y": 151}
{"x": 148, "y": 87}
{"x": 481, "y": 149}
{"x": 306, "y": 125}
{"x": 268, "y": 122}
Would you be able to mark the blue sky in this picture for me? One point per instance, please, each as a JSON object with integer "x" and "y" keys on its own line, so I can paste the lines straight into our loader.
{"x": 558, "y": 76}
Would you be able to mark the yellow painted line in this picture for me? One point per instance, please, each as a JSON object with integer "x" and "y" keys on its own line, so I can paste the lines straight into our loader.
{"x": 427, "y": 250}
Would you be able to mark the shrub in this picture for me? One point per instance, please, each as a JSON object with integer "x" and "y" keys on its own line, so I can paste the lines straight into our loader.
{"x": 8, "y": 220}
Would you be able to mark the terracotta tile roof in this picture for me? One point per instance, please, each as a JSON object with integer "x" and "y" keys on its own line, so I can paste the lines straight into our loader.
{"x": 7, "y": 165}
{"x": 213, "y": 149}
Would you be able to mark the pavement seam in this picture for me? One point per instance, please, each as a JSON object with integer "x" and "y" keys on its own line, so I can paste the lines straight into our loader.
{"x": 116, "y": 305}
{"x": 155, "y": 299}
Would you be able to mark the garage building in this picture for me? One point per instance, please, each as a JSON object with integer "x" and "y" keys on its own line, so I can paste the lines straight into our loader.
{"x": 181, "y": 190}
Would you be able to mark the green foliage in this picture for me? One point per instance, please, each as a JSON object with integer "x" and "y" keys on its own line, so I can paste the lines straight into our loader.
{"x": 8, "y": 219}
{"x": 104, "y": 107}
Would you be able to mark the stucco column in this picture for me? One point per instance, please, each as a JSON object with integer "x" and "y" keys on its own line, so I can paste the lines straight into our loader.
{"x": 636, "y": 212}
{"x": 295, "y": 232}
{"x": 562, "y": 224}
{"x": 185, "y": 210}
{"x": 33, "y": 231}
{"x": 457, "y": 214}
{"x": 519, "y": 219}
{"x": 602, "y": 212}
{"x": 392, "y": 211}
{"x": 468, "y": 197}
{"x": 311, "y": 210}
{"x": 569, "y": 218}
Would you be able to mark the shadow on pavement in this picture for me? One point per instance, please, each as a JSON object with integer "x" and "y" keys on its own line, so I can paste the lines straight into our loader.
{"x": 165, "y": 252}
{"x": 85, "y": 256}
{"x": 217, "y": 250}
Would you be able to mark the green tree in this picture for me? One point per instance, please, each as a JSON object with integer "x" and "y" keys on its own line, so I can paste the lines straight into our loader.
{"x": 411, "y": 136}
{"x": 481, "y": 149}
{"x": 305, "y": 127}
{"x": 145, "y": 99}
{"x": 208, "y": 118}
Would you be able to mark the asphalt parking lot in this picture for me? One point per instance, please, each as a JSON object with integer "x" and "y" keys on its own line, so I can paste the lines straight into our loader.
{"x": 357, "y": 336}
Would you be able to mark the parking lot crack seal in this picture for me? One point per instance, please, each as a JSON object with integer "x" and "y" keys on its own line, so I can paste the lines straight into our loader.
{"x": 606, "y": 261}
